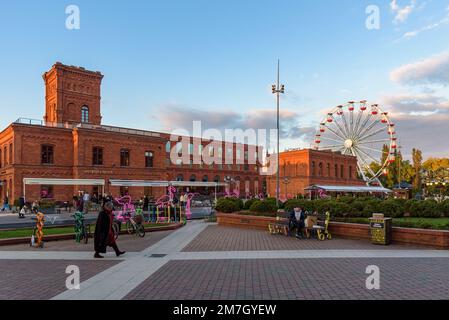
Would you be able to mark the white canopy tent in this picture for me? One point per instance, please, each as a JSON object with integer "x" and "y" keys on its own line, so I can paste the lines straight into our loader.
{"x": 349, "y": 189}
{"x": 62, "y": 182}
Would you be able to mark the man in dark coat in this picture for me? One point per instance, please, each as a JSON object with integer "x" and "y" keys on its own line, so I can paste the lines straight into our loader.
{"x": 104, "y": 235}
{"x": 297, "y": 220}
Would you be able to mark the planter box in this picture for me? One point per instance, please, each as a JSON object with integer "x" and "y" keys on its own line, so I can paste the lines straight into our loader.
{"x": 244, "y": 221}
{"x": 433, "y": 238}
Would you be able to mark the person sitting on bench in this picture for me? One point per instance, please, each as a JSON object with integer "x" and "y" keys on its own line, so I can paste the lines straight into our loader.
{"x": 297, "y": 218}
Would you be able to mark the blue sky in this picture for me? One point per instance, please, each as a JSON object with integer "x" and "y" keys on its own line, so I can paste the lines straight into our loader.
{"x": 168, "y": 61}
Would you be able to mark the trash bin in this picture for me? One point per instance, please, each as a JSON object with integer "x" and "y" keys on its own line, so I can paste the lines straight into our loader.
{"x": 380, "y": 229}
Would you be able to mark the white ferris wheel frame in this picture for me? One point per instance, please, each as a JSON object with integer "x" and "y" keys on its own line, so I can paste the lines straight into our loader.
{"x": 349, "y": 136}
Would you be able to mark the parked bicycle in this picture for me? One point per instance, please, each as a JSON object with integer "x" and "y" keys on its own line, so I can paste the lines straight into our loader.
{"x": 82, "y": 231}
{"x": 133, "y": 225}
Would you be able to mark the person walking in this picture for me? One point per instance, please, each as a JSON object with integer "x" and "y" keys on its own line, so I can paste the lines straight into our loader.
{"x": 6, "y": 204}
{"x": 86, "y": 202}
{"x": 104, "y": 235}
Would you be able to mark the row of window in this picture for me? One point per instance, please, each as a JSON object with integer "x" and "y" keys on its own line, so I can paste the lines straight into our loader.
{"x": 337, "y": 172}
{"x": 6, "y": 156}
{"x": 229, "y": 151}
{"x": 47, "y": 156}
{"x": 230, "y": 167}
{"x": 205, "y": 178}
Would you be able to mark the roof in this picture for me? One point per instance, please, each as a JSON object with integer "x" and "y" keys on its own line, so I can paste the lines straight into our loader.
{"x": 351, "y": 189}
{"x": 64, "y": 182}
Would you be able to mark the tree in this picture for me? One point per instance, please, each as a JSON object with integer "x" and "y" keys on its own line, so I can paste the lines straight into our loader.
{"x": 417, "y": 168}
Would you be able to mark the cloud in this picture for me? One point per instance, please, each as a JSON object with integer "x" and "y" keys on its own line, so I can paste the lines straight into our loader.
{"x": 401, "y": 13}
{"x": 182, "y": 117}
{"x": 433, "y": 70}
{"x": 409, "y": 105}
{"x": 429, "y": 27}
{"x": 421, "y": 122}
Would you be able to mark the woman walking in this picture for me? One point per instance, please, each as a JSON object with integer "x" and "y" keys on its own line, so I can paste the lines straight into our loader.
{"x": 104, "y": 235}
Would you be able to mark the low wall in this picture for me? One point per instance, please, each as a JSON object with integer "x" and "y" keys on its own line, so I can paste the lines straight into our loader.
{"x": 71, "y": 236}
{"x": 425, "y": 237}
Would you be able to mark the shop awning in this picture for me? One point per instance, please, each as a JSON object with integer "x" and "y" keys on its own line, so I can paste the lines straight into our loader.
{"x": 197, "y": 184}
{"x": 138, "y": 183}
{"x": 63, "y": 182}
{"x": 150, "y": 183}
{"x": 349, "y": 189}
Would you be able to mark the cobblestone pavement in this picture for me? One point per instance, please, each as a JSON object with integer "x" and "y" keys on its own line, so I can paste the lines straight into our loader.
{"x": 203, "y": 261}
{"x": 42, "y": 279}
{"x": 219, "y": 238}
{"x": 293, "y": 279}
{"x": 129, "y": 243}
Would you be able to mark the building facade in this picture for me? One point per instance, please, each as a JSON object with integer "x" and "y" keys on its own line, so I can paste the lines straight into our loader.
{"x": 300, "y": 169}
{"x": 72, "y": 143}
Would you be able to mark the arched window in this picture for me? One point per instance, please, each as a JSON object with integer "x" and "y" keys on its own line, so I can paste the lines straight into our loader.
{"x": 342, "y": 171}
{"x": 217, "y": 179}
{"x": 336, "y": 171}
{"x": 205, "y": 178}
{"x": 192, "y": 178}
{"x": 328, "y": 169}
{"x": 320, "y": 169}
{"x": 313, "y": 168}
{"x": 84, "y": 114}
{"x": 180, "y": 177}
{"x": 350, "y": 172}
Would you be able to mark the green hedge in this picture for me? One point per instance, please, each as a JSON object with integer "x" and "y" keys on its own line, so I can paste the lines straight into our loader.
{"x": 444, "y": 208}
{"x": 345, "y": 206}
{"x": 249, "y": 202}
{"x": 263, "y": 206}
{"x": 229, "y": 205}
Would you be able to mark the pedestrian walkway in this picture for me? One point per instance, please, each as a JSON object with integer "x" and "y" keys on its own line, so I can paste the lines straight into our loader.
{"x": 116, "y": 282}
{"x": 156, "y": 268}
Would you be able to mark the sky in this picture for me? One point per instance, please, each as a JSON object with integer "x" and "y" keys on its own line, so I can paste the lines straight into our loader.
{"x": 167, "y": 63}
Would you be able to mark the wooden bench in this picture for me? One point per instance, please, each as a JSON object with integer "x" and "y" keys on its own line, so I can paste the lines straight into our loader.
{"x": 320, "y": 227}
{"x": 281, "y": 226}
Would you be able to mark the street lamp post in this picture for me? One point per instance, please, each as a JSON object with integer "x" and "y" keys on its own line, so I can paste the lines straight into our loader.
{"x": 286, "y": 181}
{"x": 277, "y": 89}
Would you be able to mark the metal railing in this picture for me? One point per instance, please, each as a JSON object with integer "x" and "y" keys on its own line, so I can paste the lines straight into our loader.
{"x": 36, "y": 122}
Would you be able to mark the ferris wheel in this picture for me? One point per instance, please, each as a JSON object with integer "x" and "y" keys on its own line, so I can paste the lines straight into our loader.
{"x": 361, "y": 130}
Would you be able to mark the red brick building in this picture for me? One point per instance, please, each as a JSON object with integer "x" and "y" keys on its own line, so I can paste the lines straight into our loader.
{"x": 72, "y": 143}
{"x": 300, "y": 169}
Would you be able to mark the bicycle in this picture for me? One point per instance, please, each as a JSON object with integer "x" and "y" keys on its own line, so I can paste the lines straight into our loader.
{"x": 82, "y": 231}
{"x": 133, "y": 225}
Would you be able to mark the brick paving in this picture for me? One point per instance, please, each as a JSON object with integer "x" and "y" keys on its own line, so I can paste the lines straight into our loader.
{"x": 42, "y": 279}
{"x": 296, "y": 279}
{"x": 219, "y": 238}
{"x": 129, "y": 243}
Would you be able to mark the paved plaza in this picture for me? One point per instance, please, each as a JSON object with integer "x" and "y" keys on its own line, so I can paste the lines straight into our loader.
{"x": 204, "y": 261}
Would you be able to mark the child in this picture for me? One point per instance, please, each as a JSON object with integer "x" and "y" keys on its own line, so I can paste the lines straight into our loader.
{"x": 22, "y": 212}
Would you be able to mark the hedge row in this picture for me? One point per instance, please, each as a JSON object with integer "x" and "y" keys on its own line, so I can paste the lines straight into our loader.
{"x": 343, "y": 207}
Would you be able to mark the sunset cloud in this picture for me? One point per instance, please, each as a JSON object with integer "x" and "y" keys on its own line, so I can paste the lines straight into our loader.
{"x": 433, "y": 70}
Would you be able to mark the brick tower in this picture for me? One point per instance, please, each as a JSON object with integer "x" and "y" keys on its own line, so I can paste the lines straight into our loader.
{"x": 72, "y": 95}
